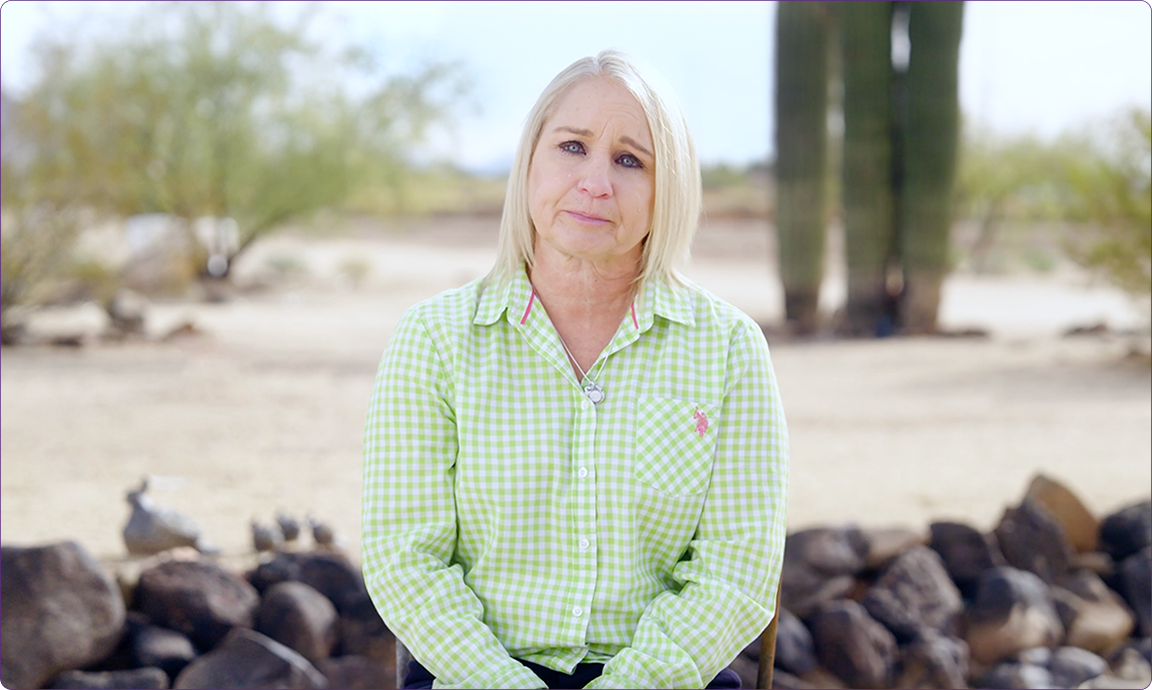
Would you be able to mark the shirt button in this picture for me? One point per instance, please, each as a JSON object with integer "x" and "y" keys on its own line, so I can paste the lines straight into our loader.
{"x": 577, "y": 611}
{"x": 583, "y": 544}
{"x": 587, "y": 404}
{"x": 582, "y": 472}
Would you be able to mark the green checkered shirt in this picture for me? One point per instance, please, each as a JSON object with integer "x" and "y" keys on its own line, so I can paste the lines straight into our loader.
{"x": 505, "y": 515}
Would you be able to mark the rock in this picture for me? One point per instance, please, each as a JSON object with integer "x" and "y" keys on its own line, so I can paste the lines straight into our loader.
{"x": 61, "y": 611}
{"x": 1032, "y": 540}
{"x": 162, "y": 648}
{"x": 247, "y": 659}
{"x": 1127, "y": 531}
{"x": 1013, "y": 675}
{"x": 1134, "y": 582}
{"x": 1081, "y": 528}
{"x": 934, "y": 661}
{"x": 358, "y": 672}
{"x": 820, "y": 565}
{"x": 786, "y": 681}
{"x": 196, "y": 598}
{"x": 795, "y": 651}
{"x": 884, "y": 545}
{"x": 328, "y": 573}
{"x": 915, "y": 595}
{"x": 298, "y": 617}
{"x": 289, "y": 526}
{"x": 1096, "y": 561}
{"x": 266, "y": 537}
{"x": 965, "y": 553}
{"x": 363, "y": 633}
{"x": 1071, "y": 666}
{"x": 1095, "y": 617}
{"x": 849, "y": 643}
{"x": 126, "y": 311}
{"x": 1012, "y": 611}
{"x": 322, "y": 533}
{"x": 133, "y": 678}
{"x": 1129, "y": 664}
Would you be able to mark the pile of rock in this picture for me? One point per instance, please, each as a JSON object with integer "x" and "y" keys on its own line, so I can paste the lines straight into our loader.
{"x": 298, "y": 620}
{"x": 1051, "y": 598}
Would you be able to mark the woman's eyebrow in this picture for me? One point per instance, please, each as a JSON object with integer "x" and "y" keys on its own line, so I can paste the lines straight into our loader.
{"x": 587, "y": 133}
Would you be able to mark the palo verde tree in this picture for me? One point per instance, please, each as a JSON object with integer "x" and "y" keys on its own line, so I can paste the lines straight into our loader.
{"x": 221, "y": 110}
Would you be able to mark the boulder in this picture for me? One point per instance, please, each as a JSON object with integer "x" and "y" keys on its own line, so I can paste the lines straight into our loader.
{"x": 1095, "y": 618}
{"x": 299, "y": 617}
{"x": 934, "y": 661}
{"x": 1129, "y": 664}
{"x": 1013, "y": 675}
{"x": 1071, "y": 666}
{"x": 820, "y": 565}
{"x": 1012, "y": 611}
{"x": 358, "y": 672}
{"x": 328, "y": 573}
{"x": 915, "y": 595}
{"x": 1032, "y": 540}
{"x": 1134, "y": 582}
{"x": 196, "y": 598}
{"x": 247, "y": 659}
{"x": 1080, "y": 526}
{"x": 965, "y": 552}
{"x": 143, "y": 678}
{"x": 795, "y": 651}
{"x": 885, "y": 544}
{"x": 363, "y": 633}
{"x": 1127, "y": 531}
{"x": 852, "y": 645}
{"x": 168, "y": 650}
{"x": 61, "y": 611}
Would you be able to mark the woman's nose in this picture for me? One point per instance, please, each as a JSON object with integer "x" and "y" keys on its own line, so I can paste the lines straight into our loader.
{"x": 594, "y": 178}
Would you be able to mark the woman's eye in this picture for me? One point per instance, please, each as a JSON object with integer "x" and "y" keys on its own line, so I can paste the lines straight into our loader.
{"x": 572, "y": 147}
{"x": 629, "y": 161}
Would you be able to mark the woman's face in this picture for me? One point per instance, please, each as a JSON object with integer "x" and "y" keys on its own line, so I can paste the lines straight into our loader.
{"x": 591, "y": 180}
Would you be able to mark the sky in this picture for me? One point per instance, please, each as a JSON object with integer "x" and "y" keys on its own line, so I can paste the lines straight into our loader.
{"x": 1041, "y": 67}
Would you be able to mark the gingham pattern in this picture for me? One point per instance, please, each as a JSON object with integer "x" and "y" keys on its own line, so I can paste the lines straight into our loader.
{"x": 505, "y": 516}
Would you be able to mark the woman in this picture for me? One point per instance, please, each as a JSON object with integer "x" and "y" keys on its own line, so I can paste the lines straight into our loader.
{"x": 575, "y": 467}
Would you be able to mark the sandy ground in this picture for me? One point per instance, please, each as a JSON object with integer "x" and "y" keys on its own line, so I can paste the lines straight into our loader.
{"x": 264, "y": 410}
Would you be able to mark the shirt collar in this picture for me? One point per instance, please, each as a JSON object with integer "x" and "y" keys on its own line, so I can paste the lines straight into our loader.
{"x": 516, "y": 297}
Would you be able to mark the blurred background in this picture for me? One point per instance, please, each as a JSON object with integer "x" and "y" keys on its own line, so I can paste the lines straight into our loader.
{"x": 214, "y": 213}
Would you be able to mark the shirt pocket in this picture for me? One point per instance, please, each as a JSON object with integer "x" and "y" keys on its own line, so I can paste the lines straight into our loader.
{"x": 674, "y": 445}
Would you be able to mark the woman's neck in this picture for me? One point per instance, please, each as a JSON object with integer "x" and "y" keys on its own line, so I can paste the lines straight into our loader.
{"x": 585, "y": 301}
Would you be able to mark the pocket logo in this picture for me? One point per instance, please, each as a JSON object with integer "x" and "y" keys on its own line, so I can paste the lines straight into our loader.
{"x": 701, "y": 421}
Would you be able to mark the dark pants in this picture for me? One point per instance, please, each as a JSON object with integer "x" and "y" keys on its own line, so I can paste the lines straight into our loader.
{"x": 419, "y": 677}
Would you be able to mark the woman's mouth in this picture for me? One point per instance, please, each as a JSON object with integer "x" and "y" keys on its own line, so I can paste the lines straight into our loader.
{"x": 585, "y": 218}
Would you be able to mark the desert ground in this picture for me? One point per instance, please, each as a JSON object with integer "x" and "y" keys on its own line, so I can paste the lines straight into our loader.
{"x": 262, "y": 407}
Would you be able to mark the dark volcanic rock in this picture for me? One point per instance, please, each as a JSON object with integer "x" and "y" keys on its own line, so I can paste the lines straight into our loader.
{"x": 131, "y": 679}
{"x": 965, "y": 552}
{"x": 358, "y": 672}
{"x": 247, "y": 659}
{"x": 299, "y": 617}
{"x": 60, "y": 612}
{"x": 820, "y": 565}
{"x": 1134, "y": 581}
{"x": 935, "y": 661}
{"x": 1012, "y": 611}
{"x": 915, "y": 595}
{"x": 162, "y": 648}
{"x": 1071, "y": 666}
{"x": 795, "y": 651}
{"x": 852, "y": 645}
{"x": 1127, "y": 531}
{"x": 1031, "y": 539}
{"x": 328, "y": 573}
{"x": 196, "y": 598}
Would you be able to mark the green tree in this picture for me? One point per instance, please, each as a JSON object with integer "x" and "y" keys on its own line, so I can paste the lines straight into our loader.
{"x": 218, "y": 110}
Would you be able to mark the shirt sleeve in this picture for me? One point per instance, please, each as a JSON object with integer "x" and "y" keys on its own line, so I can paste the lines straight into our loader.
{"x": 409, "y": 520}
{"x": 728, "y": 579}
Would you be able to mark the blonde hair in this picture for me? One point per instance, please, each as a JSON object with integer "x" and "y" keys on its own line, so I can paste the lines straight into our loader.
{"x": 676, "y": 203}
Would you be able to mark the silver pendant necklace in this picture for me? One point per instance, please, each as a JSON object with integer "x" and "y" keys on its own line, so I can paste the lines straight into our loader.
{"x": 592, "y": 389}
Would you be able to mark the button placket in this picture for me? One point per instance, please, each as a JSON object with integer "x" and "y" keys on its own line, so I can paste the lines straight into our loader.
{"x": 583, "y": 511}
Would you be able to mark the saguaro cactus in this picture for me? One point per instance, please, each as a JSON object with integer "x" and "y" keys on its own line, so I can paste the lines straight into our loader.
{"x": 931, "y": 130}
{"x": 802, "y": 30}
{"x": 867, "y": 199}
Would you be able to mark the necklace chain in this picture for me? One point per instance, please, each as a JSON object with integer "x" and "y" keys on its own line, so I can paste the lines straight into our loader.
{"x": 593, "y": 390}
